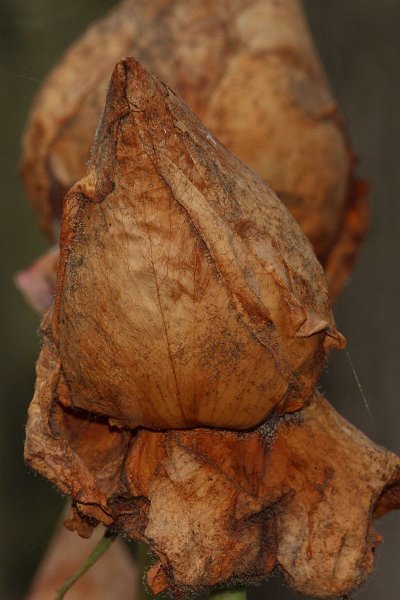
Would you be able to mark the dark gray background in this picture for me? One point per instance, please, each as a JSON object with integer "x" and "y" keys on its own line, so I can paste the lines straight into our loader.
{"x": 359, "y": 41}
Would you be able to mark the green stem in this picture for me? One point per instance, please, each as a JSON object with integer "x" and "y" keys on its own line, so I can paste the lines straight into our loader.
{"x": 97, "y": 552}
{"x": 232, "y": 594}
{"x": 143, "y": 564}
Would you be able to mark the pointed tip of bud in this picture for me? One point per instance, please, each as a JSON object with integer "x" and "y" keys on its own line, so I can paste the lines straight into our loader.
{"x": 130, "y": 84}
{"x": 128, "y": 75}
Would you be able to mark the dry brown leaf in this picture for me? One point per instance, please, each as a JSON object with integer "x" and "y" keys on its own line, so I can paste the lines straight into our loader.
{"x": 249, "y": 70}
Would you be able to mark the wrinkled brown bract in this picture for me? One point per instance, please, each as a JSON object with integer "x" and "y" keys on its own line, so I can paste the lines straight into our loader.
{"x": 298, "y": 493}
{"x": 249, "y": 70}
{"x": 187, "y": 297}
{"x": 179, "y": 302}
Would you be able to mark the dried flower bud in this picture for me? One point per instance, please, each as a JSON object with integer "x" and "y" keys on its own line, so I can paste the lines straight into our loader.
{"x": 249, "y": 70}
{"x": 186, "y": 295}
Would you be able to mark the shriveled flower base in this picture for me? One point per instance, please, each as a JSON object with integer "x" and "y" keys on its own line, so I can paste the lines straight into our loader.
{"x": 298, "y": 493}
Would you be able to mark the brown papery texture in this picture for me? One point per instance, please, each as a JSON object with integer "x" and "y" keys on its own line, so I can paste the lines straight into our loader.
{"x": 298, "y": 494}
{"x": 186, "y": 293}
{"x": 249, "y": 70}
{"x": 189, "y": 303}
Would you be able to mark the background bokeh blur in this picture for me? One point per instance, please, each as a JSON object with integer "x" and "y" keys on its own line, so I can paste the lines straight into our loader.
{"x": 359, "y": 41}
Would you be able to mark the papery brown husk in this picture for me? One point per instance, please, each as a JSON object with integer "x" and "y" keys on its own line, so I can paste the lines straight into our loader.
{"x": 297, "y": 494}
{"x": 250, "y": 71}
{"x": 186, "y": 294}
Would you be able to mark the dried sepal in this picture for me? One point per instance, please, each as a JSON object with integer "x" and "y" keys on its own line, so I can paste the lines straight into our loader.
{"x": 56, "y": 427}
{"x": 186, "y": 293}
{"x": 249, "y": 70}
{"x": 298, "y": 494}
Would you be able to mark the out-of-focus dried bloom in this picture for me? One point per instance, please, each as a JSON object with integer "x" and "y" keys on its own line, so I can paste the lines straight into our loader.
{"x": 188, "y": 296}
{"x": 37, "y": 282}
{"x": 114, "y": 577}
{"x": 249, "y": 70}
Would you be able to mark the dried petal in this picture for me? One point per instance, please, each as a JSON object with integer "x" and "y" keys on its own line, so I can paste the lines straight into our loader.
{"x": 249, "y": 70}
{"x": 297, "y": 494}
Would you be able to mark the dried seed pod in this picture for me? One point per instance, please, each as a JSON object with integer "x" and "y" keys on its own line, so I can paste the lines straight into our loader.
{"x": 299, "y": 493}
{"x": 249, "y": 70}
{"x": 186, "y": 294}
